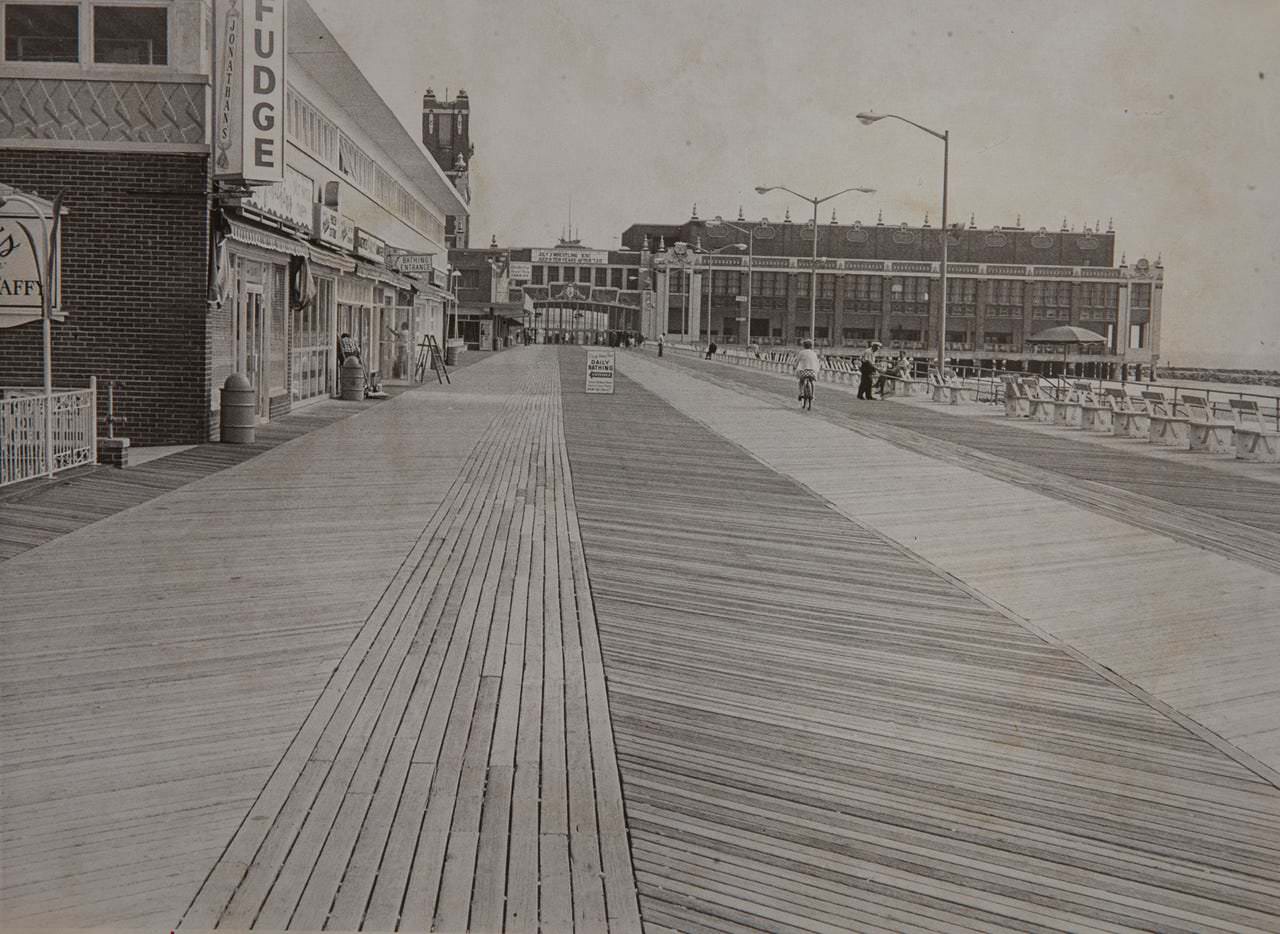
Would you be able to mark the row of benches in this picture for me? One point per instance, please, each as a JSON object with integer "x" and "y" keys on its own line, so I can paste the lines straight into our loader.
{"x": 1188, "y": 423}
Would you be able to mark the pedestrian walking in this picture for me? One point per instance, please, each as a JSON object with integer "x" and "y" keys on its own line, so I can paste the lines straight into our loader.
{"x": 867, "y": 370}
{"x": 711, "y": 350}
{"x": 662, "y": 341}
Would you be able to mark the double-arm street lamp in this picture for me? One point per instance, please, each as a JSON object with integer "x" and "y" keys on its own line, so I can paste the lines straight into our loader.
{"x": 945, "y": 136}
{"x": 719, "y": 221}
{"x": 813, "y": 282}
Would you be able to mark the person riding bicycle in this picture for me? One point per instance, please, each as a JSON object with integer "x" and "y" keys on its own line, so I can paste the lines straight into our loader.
{"x": 808, "y": 363}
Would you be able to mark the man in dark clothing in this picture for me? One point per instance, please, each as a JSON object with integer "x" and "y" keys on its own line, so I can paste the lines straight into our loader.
{"x": 867, "y": 369}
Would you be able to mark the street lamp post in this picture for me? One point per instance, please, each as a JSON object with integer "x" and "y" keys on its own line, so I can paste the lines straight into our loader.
{"x": 719, "y": 221}
{"x": 870, "y": 118}
{"x": 454, "y": 276}
{"x": 813, "y": 281}
{"x": 727, "y": 246}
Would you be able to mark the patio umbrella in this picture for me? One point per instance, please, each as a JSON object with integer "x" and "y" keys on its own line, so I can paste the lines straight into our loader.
{"x": 1067, "y": 335}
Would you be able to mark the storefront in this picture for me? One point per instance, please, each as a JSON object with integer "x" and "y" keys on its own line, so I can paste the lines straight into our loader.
{"x": 314, "y": 331}
{"x": 250, "y": 335}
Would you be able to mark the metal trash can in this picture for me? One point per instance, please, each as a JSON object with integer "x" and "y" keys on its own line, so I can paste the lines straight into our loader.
{"x": 239, "y": 416}
{"x": 451, "y": 355}
{"x": 351, "y": 380}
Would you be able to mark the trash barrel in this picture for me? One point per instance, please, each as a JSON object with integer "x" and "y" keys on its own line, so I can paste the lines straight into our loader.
{"x": 451, "y": 355}
{"x": 239, "y": 411}
{"x": 351, "y": 380}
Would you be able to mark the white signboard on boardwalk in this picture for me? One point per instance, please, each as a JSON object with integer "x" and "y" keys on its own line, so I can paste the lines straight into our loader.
{"x": 600, "y": 371}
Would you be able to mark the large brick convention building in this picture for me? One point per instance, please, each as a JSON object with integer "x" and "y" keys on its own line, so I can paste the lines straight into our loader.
{"x": 878, "y": 282}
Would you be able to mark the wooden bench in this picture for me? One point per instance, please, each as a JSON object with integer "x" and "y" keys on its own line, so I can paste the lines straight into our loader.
{"x": 1130, "y": 415}
{"x": 1206, "y": 431}
{"x": 1016, "y": 402}
{"x": 1168, "y": 428}
{"x": 1254, "y": 441}
{"x": 947, "y": 390}
{"x": 1095, "y": 412}
{"x": 1042, "y": 403}
{"x": 1069, "y": 413}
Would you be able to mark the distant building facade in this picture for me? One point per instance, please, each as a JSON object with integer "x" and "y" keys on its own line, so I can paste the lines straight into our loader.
{"x": 879, "y": 282}
{"x": 567, "y": 293}
{"x": 171, "y": 281}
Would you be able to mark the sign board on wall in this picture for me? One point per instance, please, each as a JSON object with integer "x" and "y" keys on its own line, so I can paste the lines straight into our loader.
{"x": 328, "y": 226}
{"x": 520, "y": 271}
{"x": 249, "y": 106}
{"x": 370, "y": 247}
{"x": 289, "y": 201}
{"x": 572, "y": 257}
{"x": 22, "y": 267}
{"x": 600, "y": 371}
{"x": 411, "y": 264}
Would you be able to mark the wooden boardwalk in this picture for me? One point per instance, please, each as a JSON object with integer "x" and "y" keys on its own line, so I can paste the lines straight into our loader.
{"x": 501, "y": 656}
{"x": 353, "y": 682}
{"x": 1175, "y": 598}
{"x": 819, "y": 731}
{"x": 36, "y": 512}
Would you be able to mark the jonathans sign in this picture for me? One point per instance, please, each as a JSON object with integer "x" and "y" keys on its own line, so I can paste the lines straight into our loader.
{"x": 249, "y": 120}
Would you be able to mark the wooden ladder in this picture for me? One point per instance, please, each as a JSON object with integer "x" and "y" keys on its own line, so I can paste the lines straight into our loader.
{"x": 429, "y": 355}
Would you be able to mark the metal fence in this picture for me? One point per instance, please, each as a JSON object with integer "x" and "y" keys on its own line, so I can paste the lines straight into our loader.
{"x": 23, "y": 449}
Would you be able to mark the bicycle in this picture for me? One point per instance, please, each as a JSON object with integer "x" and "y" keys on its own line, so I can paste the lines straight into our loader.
{"x": 806, "y": 391}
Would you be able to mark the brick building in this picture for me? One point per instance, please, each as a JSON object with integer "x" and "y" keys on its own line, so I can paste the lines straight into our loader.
{"x": 878, "y": 282}
{"x": 446, "y": 132}
{"x": 170, "y": 281}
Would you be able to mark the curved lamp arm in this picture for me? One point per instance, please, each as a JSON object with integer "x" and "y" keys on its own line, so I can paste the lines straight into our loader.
{"x": 869, "y": 118}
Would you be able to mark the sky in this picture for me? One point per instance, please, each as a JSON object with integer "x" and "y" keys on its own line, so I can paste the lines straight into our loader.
{"x": 1161, "y": 117}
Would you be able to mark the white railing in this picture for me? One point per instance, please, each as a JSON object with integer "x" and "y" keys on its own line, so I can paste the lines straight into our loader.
{"x": 22, "y": 431}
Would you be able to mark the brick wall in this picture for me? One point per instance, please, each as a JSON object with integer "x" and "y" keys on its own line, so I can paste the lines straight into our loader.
{"x": 134, "y": 286}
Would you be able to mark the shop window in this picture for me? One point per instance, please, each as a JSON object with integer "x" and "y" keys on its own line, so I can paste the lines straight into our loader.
{"x": 537, "y": 275}
{"x": 41, "y": 32}
{"x": 130, "y": 35}
{"x": 584, "y": 274}
{"x": 602, "y": 277}
{"x": 615, "y": 277}
{"x": 470, "y": 279}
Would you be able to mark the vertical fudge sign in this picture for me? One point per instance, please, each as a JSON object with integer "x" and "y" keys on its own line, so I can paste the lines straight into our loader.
{"x": 600, "y": 371}
{"x": 251, "y": 91}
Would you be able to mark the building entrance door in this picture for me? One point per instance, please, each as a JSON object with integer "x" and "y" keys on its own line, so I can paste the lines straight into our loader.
{"x": 251, "y": 347}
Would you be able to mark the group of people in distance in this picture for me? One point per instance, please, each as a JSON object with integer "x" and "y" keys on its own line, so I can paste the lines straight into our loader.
{"x": 870, "y": 365}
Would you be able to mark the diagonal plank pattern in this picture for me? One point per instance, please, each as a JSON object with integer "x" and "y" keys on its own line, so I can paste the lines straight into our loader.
{"x": 817, "y": 731}
{"x": 1173, "y": 598}
{"x": 457, "y": 770}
